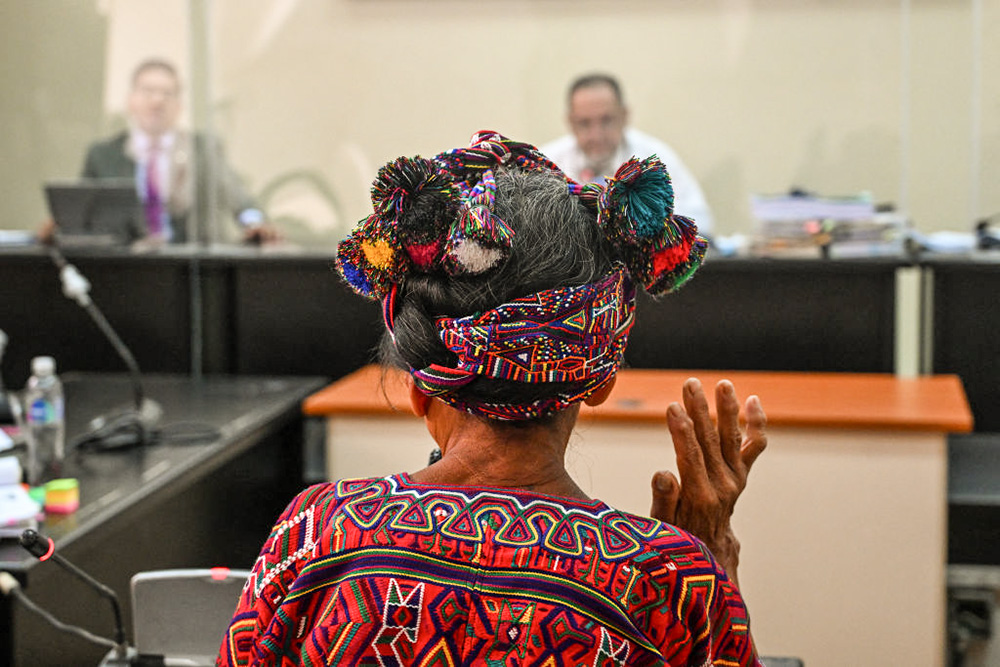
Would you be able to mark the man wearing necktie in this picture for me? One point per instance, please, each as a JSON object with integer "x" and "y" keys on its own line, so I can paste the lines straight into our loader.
{"x": 174, "y": 169}
{"x": 601, "y": 141}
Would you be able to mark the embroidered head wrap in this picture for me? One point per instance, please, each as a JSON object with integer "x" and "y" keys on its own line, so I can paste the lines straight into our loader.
{"x": 435, "y": 216}
{"x": 574, "y": 336}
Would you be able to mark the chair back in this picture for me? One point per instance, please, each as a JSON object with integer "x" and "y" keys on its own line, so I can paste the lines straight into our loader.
{"x": 184, "y": 613}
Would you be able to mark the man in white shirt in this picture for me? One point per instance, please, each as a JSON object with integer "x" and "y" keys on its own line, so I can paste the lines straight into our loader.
{"x": 601, "y": 141}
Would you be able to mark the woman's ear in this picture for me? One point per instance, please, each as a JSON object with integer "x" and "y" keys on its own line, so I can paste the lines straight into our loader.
{"x": 601, "y": 393}
{"x": 419, "y": 401}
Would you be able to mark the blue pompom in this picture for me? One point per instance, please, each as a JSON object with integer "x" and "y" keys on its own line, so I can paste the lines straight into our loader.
{"x": 356, "y": 278}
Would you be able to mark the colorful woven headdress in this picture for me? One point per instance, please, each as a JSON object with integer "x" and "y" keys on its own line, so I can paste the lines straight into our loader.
{"x": 435, "y": 216}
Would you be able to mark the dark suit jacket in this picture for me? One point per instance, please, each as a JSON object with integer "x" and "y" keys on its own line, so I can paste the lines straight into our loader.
{"x": 192, "y": 160}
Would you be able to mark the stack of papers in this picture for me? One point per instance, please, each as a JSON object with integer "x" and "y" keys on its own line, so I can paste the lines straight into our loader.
{"x": 807, "y": 225}
{"x": 884, "y": 235}
{"x": 16, "y": 237}
{"x": 18, "y": 511}
{"x": 800, "y": 208}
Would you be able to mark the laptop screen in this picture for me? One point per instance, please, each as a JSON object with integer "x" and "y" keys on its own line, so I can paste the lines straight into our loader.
{"x": 96, "y": 211}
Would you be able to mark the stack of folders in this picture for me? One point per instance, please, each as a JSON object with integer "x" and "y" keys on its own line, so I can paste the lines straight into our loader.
{"x": 884, "y": 235}
{"x": 805, "y": 225}
{"x": 18, "y": 511}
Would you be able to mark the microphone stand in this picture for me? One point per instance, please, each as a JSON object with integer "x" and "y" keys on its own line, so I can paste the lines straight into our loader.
{"x": 147, "y": 413}
{"x": 43, "y": 548}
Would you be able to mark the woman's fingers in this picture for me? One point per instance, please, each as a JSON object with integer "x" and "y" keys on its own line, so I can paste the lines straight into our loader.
{"x": 690, "y": 460}
{"x": 666, "y": 495}
{"x": 755, "y": 440}
{"x": 704, "y": 429}
{"x": 713, "y": 461}
{"x": 730, "y": 439}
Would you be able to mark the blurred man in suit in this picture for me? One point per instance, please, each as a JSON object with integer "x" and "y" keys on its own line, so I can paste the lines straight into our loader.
{"x": 177, "y": 172}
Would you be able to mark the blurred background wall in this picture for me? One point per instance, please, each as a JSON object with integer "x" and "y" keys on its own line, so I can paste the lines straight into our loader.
{"x": 900, "y": 98}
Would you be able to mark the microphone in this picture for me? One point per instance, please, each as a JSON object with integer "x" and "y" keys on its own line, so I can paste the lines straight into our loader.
{"x": 122, "y": 428}
{"x": 43, "y": 548}
{"x": 987, "y": 238}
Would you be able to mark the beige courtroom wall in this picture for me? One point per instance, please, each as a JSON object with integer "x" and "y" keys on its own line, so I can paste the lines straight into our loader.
{"x": 836, "y": 97}
{"x": 51, "y": 79}
{"x": 756, "y": 95}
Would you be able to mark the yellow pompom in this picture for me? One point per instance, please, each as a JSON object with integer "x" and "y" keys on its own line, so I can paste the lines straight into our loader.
{"x": 379, "y": 254}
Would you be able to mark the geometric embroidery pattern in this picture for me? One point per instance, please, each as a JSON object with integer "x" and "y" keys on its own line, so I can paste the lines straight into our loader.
{"x": 400, "y": 624}
{"x": 388, "y": 572}
{"x": 573, "y": 335}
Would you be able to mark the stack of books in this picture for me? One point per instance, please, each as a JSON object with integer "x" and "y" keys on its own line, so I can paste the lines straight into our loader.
{"x": 805, "y": 225}
{"x": 885, "y": 235}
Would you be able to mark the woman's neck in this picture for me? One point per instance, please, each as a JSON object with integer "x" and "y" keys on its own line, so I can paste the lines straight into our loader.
{"x": 476, "y": 452}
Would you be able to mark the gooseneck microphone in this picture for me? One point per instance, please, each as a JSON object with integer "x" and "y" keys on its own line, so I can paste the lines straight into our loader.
{"x": 123, "y": 655}
{"x": 131, "y": 426}
{"x": 43, "y": 548}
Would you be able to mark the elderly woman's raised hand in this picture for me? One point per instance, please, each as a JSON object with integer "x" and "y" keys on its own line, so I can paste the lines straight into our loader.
{"x": 713, "y": 462}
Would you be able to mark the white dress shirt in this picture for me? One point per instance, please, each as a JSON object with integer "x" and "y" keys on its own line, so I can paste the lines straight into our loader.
{"x": 689, "y": 200}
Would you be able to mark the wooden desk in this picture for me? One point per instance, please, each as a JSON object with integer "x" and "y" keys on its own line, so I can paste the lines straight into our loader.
{"x": 843, "y": 524}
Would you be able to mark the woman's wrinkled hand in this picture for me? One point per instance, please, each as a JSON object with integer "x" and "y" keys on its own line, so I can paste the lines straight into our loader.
{"x": 713, "y": 461}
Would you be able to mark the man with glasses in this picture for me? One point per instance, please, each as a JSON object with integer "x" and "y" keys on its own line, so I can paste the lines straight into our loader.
{"x": 601, "y": 141}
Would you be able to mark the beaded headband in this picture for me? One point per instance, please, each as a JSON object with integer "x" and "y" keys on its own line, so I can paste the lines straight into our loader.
{"x": 435, "y": 216}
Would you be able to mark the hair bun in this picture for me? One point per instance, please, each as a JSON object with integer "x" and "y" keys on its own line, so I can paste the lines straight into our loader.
{"x": 421, "y": 201}
{"x": 635, "y": 212}
{"x": 432, "y": 215}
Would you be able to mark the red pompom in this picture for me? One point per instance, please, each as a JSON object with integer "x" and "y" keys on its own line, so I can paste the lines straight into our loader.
{"x": 668, "y": 258}
{"x": 424, "y": 255}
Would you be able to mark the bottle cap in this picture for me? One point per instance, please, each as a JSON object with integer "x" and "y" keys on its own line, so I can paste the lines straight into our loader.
{"x": 43, "y": 366}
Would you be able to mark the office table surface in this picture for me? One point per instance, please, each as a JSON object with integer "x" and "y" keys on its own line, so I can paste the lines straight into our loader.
{"x": 822, "y": 400}
{"x": 237, "y": 410}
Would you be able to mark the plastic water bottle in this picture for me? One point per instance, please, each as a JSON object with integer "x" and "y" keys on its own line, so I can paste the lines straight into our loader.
{"x": 43, "y": 404}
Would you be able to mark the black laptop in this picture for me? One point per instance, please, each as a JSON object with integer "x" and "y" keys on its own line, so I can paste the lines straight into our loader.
{"x": 96, "y": 212}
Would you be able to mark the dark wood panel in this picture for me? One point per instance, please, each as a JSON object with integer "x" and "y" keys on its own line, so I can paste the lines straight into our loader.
{"x": 301, "y": 318}
{"x": 293, "y": 314}
{"x": 146, "y": 300}
{"x": 772, "y": 315}
{"x": 967, "y": 333}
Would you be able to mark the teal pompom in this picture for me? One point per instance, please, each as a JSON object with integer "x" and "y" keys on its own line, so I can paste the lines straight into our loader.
{"x": 638, "y": 200}
{"x": 650, "y": 202}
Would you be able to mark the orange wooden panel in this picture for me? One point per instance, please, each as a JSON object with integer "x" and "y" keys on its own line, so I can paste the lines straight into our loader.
{"x": 370, "y": 390}
{"x": 815, "y": 400}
